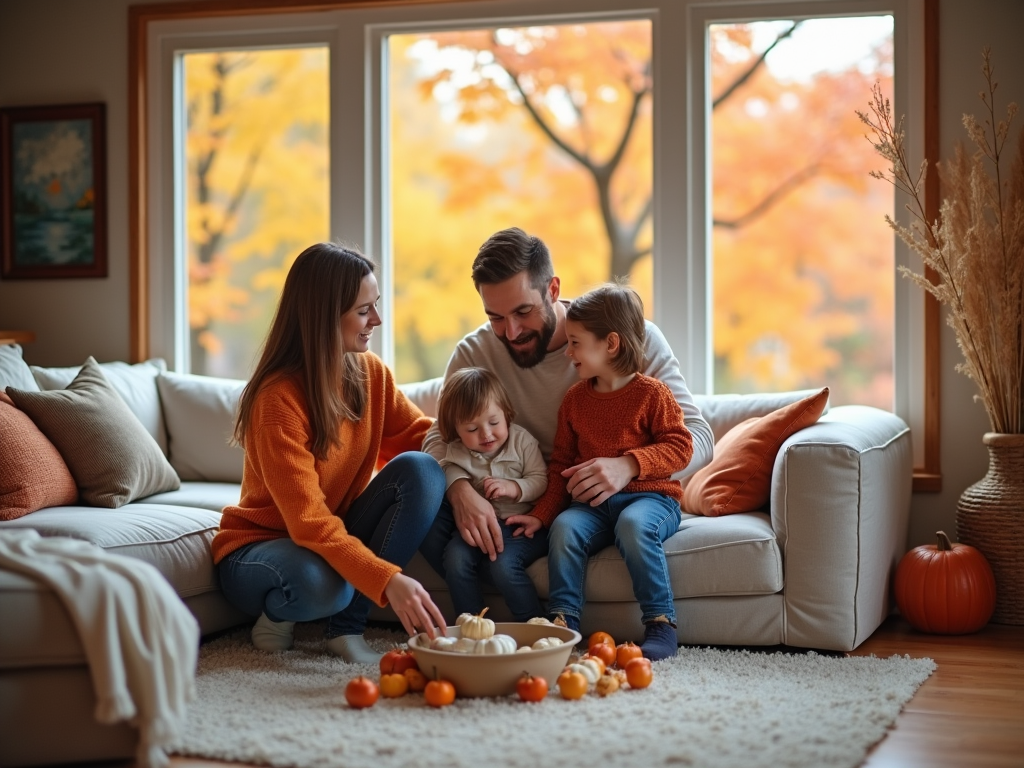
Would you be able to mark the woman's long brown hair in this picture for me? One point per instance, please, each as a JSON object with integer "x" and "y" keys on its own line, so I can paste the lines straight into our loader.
{"x": 305, "y": 340}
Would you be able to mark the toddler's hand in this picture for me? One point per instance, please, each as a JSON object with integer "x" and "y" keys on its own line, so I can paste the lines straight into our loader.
{"x": 527, "y": 525}
{"x": 495, "y": 488}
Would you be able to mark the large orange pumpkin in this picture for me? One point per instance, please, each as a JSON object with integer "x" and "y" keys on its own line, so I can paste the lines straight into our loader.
{"x": 946, "y": 589}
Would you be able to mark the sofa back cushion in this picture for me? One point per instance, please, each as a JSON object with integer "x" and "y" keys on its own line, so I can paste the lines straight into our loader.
{"x": 199, "y": 412}
{"x": 112, "y": 457}
{"x": 424, "y": 394}
{"x": 136, "y": 384}
{"x": 32, "y": 473}
{"x": 14, "y": 371}
{"x": 723, "y": 412}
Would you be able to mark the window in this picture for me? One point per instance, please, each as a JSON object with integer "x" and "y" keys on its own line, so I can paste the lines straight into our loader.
{"x": 544, "y": 127}
{"x": 802, "y": 260}
{"x": 382, "y": 164}
{"x": 255, "y": 161}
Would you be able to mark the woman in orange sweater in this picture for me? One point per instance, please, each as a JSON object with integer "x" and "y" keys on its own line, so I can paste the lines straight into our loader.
{"x": 316, "y": 534}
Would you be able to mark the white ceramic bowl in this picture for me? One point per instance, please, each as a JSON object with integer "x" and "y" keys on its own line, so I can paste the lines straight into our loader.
{"x": 496, "y": 674}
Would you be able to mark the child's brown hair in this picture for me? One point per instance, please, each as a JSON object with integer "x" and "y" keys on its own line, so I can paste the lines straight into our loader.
{"x": 613, "y": 308}
{"x": 464, "y": 395}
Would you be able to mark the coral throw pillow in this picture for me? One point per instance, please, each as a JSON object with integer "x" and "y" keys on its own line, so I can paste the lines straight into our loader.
{"x": 739, "y": 477}
{"x": 32, "y": 473}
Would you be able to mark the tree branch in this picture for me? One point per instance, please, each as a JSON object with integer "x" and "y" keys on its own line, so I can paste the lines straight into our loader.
{"x": 770, "y": 199}
{"x": 543, "y": 125}
{"x": 752, "y": 68}
{"x": 613, "y": 161}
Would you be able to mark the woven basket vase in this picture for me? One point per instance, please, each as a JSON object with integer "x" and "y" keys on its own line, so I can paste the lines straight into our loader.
{"x": 990, "y": 517}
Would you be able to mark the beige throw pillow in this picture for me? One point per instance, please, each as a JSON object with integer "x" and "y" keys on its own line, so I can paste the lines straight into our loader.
{"x": 112, "y": 457}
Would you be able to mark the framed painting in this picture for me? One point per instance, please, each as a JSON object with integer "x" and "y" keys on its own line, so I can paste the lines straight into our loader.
{"x": 53, "y": 191}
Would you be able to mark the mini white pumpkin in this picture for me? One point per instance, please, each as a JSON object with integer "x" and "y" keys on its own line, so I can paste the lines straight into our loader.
{"x": 496, "y": 644}
{"x": 523, "y": 649}
{"x": 443, "y": 643}
{"x": 588, "y": 669}
{"x": 464, "y": 645}
{"x": 477, "y": 627}
{"x": 547, "y": 642}
{"x": 539, "y": 620}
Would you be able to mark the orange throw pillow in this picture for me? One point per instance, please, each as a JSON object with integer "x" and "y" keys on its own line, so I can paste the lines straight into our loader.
{"x": 32, "y": 473}
{"x": 739, "y": 477}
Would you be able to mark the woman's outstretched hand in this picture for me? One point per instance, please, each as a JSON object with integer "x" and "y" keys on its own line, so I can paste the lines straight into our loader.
{"x": 413, "y": 606}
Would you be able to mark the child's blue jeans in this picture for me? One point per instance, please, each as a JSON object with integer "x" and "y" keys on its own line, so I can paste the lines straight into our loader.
{"x": 638, "y": 524}
{"x": 292, "y": 583}
{"x": 465, "y": 566}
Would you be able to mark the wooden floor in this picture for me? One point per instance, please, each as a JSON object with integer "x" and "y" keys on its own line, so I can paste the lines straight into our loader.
{"x": 968, "y": 714}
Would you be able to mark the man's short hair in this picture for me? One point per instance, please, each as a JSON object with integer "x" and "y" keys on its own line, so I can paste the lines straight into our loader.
{"x": 509, "y": 252}
{"x": 619, "y": 309}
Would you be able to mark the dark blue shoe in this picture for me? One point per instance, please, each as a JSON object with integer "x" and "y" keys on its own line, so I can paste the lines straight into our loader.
{"x": 659, "y": 641}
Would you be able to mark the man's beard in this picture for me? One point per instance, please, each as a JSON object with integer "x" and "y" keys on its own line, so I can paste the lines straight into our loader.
{"x": 530, "y": 358}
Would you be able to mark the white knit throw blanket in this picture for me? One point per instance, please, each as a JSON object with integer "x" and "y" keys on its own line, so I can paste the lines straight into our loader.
{"x": 140, "y": 640}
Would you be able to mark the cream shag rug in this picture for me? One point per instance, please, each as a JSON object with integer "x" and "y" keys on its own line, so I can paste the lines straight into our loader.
{"x": 706, "y": 708}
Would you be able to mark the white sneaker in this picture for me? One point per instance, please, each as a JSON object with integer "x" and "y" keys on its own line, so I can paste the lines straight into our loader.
{"x": 353, "y": 649}
{"x": 270, "y": 635}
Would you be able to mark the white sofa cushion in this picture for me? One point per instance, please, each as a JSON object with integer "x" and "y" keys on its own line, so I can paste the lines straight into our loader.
{"x": 201, "y": 494}
{"x": 199, "y": 412}
{"x": 737, "y": 555}
{"x": 14, "y": 371}
{"x": 424, "y": 394}
{"x": 176, "y": 540}
{"x": 136, "y": 384}
{"x": 723, "y": 412}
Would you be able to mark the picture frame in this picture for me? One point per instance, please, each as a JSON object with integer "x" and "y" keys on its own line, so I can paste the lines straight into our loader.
{"x": 53, "y": 191}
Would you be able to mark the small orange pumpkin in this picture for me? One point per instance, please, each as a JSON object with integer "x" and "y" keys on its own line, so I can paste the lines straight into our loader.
{"x": 945, "y": 589}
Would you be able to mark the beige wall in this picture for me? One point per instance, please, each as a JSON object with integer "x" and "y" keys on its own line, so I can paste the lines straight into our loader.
{"x": 64, "y": 51}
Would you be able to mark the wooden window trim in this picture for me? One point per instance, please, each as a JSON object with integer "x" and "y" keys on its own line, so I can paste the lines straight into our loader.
{"x": 927, "y": 478}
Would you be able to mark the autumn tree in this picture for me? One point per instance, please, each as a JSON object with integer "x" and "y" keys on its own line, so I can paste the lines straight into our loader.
{"x": 583, "y": 93}
{"x": 257, "y": 165}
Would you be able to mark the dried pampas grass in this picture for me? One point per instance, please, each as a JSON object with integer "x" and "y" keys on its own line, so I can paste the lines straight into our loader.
{"x": 975, "y": 247}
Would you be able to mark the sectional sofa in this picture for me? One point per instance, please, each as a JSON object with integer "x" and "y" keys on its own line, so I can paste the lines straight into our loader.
{"x": 811, "y": 569}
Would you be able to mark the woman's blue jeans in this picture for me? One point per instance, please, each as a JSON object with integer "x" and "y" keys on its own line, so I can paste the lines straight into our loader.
{"x": 466, "y": 567}
{"x": 290, "y": 583}
{"x": 638, "y": 524}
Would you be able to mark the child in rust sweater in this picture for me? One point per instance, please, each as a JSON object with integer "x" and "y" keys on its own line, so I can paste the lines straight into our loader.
{"x": 614, "y": 411}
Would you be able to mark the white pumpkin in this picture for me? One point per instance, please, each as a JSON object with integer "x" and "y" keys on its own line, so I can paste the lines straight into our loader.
{"x": 464, "y": 645}
{"x": 496, "y": 644}
{"x": 523, "y": 649}
{"x": 477, "y": 627}
{"x": 539, "y": 620}
{"x": 547, "y": 642}
{"x": 588, "y": 669}
{"x": 442, "y": 643}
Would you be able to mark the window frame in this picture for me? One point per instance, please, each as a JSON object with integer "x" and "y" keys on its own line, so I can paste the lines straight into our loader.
{"x": 358, "y": 176}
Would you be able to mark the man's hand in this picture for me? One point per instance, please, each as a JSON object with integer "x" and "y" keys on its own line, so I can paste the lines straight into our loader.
{"x": 413, "y": 606}
{"x": 475, "y": 518}
{"x": 527, "y": 525}
{"x": 495, "y": 488}
{"x": 596, "y": 480}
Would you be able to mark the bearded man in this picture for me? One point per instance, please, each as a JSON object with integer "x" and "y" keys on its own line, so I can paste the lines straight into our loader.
{"x": 524, "y": 344}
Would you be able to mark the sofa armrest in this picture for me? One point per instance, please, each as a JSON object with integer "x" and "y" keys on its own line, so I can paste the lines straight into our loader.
{"x": 840, "y": 506}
